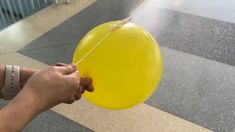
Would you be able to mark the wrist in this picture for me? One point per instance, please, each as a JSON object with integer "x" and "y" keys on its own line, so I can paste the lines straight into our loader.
{"x": 26, "y": 73}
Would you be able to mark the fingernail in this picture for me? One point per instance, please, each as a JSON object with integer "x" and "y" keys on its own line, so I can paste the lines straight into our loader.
{"x": 74, "y": 66}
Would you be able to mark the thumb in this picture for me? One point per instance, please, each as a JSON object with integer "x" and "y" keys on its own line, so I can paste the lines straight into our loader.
{"x": 74, "y": 74}
{"x": 68, "y": 69}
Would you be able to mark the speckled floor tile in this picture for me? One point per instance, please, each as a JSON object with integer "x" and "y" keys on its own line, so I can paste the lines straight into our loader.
{"x": 72, "y": 30}
{"x": 21, "y": 60}
{"x": 142, "y": 118}
{"x": 215, "y": 9}
{"x": 25, "y": 31}
{"x": 198, "y": 90}
{"x": 50, "y": 121}
{"x": 196, "y": 35}
{"x": 52, "y": 55}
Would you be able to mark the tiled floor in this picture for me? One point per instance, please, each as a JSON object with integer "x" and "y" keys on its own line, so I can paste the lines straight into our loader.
{"x": 197, "y": 39}
{"x": 201, "y": 36}
{"x": 52, "y": 122}
{"x": 215, "y": 9}
{"x": 142, "y": 118}
{"x": 35, "y": 26}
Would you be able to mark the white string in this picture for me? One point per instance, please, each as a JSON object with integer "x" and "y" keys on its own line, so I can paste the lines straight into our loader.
{"x": 122, "y": 22}
{"x": 93, "y": 48}
{"x": 106, "y": 35}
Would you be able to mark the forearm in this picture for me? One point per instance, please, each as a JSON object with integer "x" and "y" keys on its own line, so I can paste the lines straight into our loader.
{"x": 25, "y": 73}
{"x": 19, "y": 112}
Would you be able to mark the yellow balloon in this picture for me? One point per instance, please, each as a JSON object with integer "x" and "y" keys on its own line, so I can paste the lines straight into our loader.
{"x": 125, "y": 64}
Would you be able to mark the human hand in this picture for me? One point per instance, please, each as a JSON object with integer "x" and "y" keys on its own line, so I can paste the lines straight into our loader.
{"x": 58, "y": 84}
{"x": 43, "y": 90}
{"x": 85, "y": 83}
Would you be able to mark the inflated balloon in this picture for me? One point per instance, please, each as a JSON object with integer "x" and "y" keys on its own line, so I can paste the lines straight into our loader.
{"x": 125, "y": 64}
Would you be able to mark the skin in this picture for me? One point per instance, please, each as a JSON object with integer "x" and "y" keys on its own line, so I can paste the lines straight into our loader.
{"x": 41, "y": 90}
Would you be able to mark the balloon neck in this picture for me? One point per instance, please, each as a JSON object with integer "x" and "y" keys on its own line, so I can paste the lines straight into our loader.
{"x": 121, "y": 23}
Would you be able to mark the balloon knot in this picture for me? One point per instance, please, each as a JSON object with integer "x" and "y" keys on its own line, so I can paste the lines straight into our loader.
{"x": 122, "y": 22}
